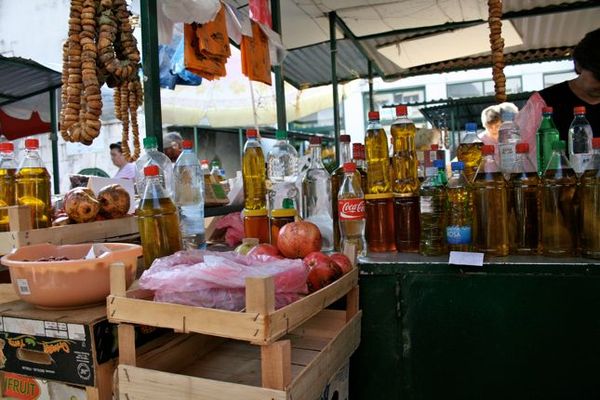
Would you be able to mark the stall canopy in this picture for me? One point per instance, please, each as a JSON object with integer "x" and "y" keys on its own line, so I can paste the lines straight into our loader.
{"x": 24, "y": 97}
{"x": 413, "y": 37}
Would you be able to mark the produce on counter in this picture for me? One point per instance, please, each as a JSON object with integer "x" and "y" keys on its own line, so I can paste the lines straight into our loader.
{"x": 298, "y": 239}
{"x": 264, "y": 249}
{"x": 81, "y": 205}
{"x": 246, "y": 246}
{"x": 114, "y": 201}
{"x": 342, "y": 262}
{"x": 322, "y": 271}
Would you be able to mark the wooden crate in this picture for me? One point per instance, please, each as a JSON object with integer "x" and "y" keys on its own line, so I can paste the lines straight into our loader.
{"x": 22, "y": 234}
{"x": 197, "y": 366}
{"x": 259, "y": 323}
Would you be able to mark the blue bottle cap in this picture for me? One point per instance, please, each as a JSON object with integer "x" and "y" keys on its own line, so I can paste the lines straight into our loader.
{"x": 439, "y": 164}
{"x": 458, "y": 166}
{"x": 471, "y": 126}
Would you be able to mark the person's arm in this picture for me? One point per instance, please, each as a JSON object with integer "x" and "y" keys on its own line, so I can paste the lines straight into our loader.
{"x": 528, "y": 120}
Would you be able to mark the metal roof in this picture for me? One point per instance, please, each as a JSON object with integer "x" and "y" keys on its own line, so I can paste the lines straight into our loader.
{"x": 21, "y": 78}
{"x": 546, "y": 28}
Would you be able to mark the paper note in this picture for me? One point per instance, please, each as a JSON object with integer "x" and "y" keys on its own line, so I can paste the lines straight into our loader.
{"x": 466, "y": 258}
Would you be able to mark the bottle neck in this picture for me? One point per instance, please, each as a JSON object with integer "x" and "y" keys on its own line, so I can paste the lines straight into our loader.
{"x": 315, "y": 155}
{"x": 154, "y": 188}
{"x": 150, "y": 149}
{"x": 374, "y": 124}
{"x": 345, "y": 153}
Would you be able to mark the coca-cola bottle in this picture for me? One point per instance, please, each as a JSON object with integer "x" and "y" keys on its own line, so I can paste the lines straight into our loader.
{"x": 351, "y": 208}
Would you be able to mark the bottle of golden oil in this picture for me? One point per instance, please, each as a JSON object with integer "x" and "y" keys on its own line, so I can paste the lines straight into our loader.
{"x": 33, "y": 186}
{"x": 8, "y": 170}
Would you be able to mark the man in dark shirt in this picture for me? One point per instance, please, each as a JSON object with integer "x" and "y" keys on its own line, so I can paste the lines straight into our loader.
{"x": 584, "y": 90}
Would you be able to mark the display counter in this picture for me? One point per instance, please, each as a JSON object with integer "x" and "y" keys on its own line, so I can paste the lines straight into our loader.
{"x": 515, "y": 328}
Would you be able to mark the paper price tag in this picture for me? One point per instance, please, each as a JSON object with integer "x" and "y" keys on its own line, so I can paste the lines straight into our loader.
{"x": 23, "y": 287}
{"x": 466, "y": 258}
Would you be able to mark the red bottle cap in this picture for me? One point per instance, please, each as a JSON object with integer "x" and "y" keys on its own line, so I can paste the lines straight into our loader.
{"x": 373, "y": 115}
{"x": 401, "y": 110}
{"x": 356, "y": 151}
{"x": 6, "y": 147}
{"x": 487, "y": 149}
{"x": 204, "y": 162}
{"x": 349, "y": 167}
{"x": 547, "y": 109}
{"x": 315, "y": 140}
{"x": 596, "y": 143}
{"x": 187, "y": 144}
{"x": 579, "y": 110}
{"x": 435, "y": 147}
{"x": 345, "y": 138}
{"x": 522, "y": 148}
{"x": 251, "y": 133}
{"x": 32, "y": 144}
{"x": 151, "y": 170}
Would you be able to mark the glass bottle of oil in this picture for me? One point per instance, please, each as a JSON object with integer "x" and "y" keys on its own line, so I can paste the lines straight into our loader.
{"x": 433, "y": 198}
{"x": 157, "y": 219}
{"x": 8, "y": 170}
{"x": 33, "y": 185}
{"x": 459, "y": 210}
{"x": 590, "y": 204}
{"x": 377, "y": 155}
{"x": 405, "y": 179}
{"x": 490, "y": 226}
{"x": 254, "y": 173}
{"x": 469, "y": 150}
{"x": 559, "y": 221}
{"x": 524, "y": 217}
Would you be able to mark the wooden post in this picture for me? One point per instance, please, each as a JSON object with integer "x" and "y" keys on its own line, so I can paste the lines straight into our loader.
{"x": 276, "y": 365}
{"x": 19, "y": 218}
{"x": 118, "y": 287}
{"x": 260, "y": 295}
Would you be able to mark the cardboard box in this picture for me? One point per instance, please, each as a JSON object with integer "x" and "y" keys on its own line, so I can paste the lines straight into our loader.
{"x": 66, "y": 346}
{"x": 19, "y": 387}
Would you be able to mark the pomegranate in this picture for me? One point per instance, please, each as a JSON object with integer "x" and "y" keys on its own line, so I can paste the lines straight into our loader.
{"x": 114, "y": 201}
{"x": 298, "y": 239}
{"x": 342, "y": 261}
{"x": 321, "y": 271}
{"x": 264, "y": 249}
{"x": 81, "y": 205}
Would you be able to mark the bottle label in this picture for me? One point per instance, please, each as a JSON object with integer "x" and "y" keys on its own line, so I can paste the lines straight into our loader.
{"x": 426, "y": 205}
{"x": 458, "y": 234}
{"x": 351, "y": 209}
{"x": 508, "y": 155}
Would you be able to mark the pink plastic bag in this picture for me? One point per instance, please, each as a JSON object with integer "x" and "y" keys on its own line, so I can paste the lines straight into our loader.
{"x": 217, "y": 280}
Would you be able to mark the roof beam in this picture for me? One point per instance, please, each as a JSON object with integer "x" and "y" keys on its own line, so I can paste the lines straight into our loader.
{"x": 15, "y": 99}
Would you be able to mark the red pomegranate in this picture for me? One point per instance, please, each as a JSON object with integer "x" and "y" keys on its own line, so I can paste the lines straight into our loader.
{"x": 298, "y": 239}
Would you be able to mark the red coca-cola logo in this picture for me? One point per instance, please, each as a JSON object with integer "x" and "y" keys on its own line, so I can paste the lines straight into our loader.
{"x": 351, "y": 209}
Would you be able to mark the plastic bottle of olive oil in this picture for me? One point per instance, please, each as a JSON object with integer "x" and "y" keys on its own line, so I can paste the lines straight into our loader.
{"x": 8, "y": 170}
{"x": 33, "y": 185}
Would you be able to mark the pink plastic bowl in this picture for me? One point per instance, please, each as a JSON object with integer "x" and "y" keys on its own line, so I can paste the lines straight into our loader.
{"x": 67, "y": 284}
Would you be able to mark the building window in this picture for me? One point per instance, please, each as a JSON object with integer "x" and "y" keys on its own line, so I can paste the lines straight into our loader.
{"x": 482, "y": 88}
{"x": 383, "y": 98}
{"x": 552, "y": 78}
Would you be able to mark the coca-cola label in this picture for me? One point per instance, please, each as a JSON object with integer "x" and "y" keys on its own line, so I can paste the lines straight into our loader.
{"x": 351, "y": 209}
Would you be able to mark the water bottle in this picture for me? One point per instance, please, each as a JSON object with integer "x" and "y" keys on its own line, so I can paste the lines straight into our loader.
{"x": 351, "y": 209}
{"x": 188, "y": 194}
{"x": 460, "y": 210}
{"x": 282, "y": 170}
{"x": 545, "y": 137}
{"x": 508, "y": 137}
{"x": 152, "y": 156}
{"x": 580, "y": 141}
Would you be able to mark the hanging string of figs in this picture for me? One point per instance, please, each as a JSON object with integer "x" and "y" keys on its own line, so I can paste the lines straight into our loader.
{"x": 100, "y": 49}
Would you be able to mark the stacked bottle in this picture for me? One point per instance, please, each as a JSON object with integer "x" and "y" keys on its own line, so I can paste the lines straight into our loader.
{"x": 490, "y": 223}
{"x": 188, "y": 194}
{"x": 524, "y": 205}
{"x": 508, "y": 137}
{"x": 546, "y": 135}
{"x": 469, "y": 151}
{"x": 358, "y": 156}
{"x": 8, "y": 192}
{"x": 559, "y": 221}
{"x": 316, "y": 195}
{"x": 590, "y": 205}
{"x": 351, "y": 206}
{"x": 33, "y": 186}
{"x": 580, "y": 141}
{"x": 337, "y": 178}
{"x": 256, "y": 220}
{"x": 152, "y": 156}
{"x": 405, "y": 182}
{"x": 459, "y": 210}
{"x": 281, "y": 216}
{"x": 432, "y": 200}
{"x": 157, "y": 219}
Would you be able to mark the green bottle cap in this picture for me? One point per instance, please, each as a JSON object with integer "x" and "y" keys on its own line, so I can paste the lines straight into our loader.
{"x": 288, "y": 203}
{"x": 150, "y": 142}
{"x": 280, "y": 134}
{"x": 559, "y": 145}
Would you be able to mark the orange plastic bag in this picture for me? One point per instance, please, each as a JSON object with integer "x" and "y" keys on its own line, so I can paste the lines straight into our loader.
{"x": 256, "y": 62}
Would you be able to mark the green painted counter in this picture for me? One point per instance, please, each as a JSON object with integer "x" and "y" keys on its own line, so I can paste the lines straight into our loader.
{"x": 516, "y": 328}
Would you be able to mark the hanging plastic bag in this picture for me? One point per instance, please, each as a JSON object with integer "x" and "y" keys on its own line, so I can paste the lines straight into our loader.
{"x": 188, "y": 11}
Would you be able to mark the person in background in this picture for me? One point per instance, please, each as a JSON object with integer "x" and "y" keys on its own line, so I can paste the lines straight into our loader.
{"x": 172, "y": 145}
{"x": 126, "y": 169}
{"x": 491, "y": 119}
{"x": 584, "y": 90}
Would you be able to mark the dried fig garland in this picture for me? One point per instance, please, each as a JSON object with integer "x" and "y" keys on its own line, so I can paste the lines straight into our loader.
{"x": 497, "y": 46}
{"x": 100, "y": 48}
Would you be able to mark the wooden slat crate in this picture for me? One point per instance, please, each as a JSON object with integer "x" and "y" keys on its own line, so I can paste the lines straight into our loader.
{"x": 22, "y": 234}
{"x": 260, "y": 323}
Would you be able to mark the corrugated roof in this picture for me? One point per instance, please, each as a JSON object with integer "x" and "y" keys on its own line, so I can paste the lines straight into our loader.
{"x": 21, "y": 78}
